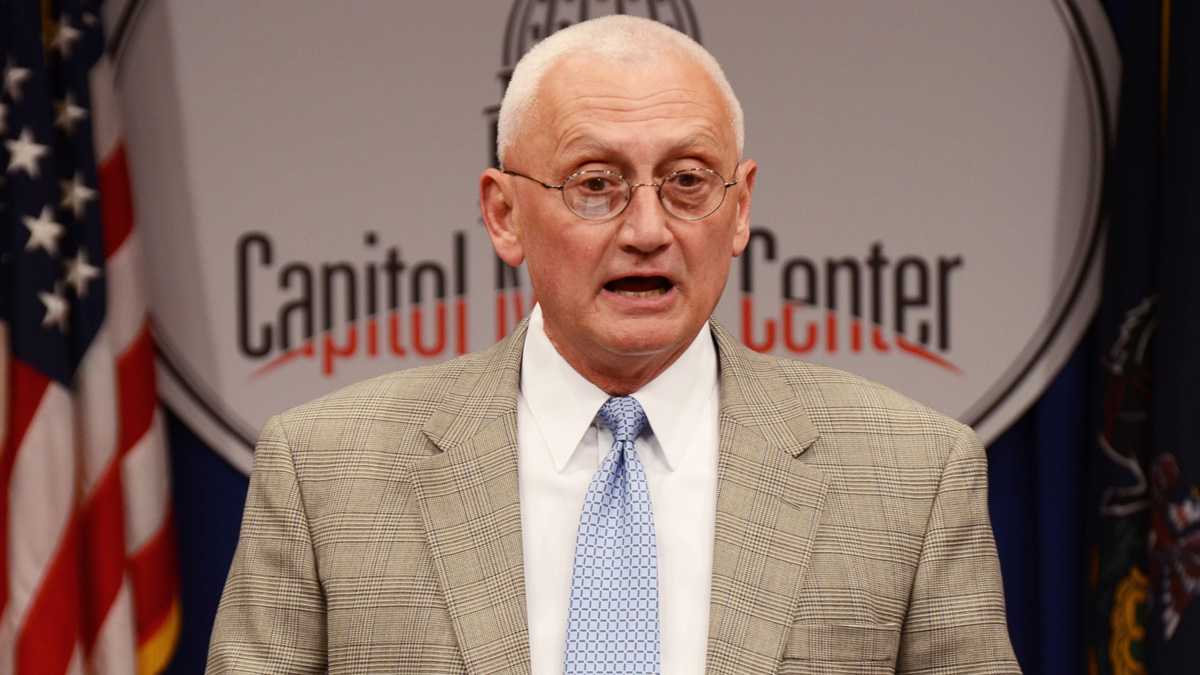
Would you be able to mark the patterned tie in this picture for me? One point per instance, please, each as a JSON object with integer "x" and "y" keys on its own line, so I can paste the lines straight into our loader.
{"x": 612, "y": 626}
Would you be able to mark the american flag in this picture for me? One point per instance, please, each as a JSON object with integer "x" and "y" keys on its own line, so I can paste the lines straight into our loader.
{"x": 88, "y": 573}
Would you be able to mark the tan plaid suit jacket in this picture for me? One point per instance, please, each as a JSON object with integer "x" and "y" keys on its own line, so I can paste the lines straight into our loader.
{"x": 382, "y": 531}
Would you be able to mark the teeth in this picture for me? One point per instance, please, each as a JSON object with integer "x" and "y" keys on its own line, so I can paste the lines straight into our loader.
{"x": 642, "y": 294}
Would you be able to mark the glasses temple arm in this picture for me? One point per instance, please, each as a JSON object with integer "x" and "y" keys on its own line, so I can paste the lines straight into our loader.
{"x": 548, "y": 186}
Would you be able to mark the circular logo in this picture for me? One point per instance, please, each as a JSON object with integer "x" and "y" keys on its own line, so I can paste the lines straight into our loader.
{"x": 926, "y": 212}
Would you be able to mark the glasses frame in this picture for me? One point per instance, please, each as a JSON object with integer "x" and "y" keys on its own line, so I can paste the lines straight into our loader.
{"x": 633, "y": 186}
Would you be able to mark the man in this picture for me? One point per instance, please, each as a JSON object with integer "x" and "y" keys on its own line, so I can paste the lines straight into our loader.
{"x": 618, "y": 486}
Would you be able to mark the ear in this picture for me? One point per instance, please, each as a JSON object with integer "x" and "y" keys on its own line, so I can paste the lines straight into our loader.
{"x": 496, "y": 205}
{"x": 741, "y": 219}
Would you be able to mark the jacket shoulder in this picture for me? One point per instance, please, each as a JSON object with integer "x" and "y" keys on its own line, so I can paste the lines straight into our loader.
{"x": 408, "y": 396}
{"x": 839, "y": 402}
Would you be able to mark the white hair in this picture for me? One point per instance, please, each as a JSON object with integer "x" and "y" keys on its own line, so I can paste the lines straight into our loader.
{"x": 615, "y": 37}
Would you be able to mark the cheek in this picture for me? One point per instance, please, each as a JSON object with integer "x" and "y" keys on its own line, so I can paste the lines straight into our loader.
{"x": 572, "y": 251}
{"x": 709, "y": 259}
{"x": 562, "y": 264}
{"x": 714, "y": 275}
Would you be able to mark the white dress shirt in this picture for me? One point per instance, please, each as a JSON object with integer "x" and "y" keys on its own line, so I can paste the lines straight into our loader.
{"x": 560, "y": 449}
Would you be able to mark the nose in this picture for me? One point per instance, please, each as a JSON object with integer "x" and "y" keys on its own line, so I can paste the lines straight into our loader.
{"x": 644, "y": 226}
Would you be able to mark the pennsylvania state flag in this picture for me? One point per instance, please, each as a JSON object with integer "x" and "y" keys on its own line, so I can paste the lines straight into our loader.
{"x": 1143, "y": 605}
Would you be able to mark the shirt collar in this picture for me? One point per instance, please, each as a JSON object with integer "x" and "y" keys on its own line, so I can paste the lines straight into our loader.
{"x": 564, "y": 404}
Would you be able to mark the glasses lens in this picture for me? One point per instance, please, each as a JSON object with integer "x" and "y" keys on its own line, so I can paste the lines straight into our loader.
{"x": 693, "y": 193}
{"x": 595, "y": 195}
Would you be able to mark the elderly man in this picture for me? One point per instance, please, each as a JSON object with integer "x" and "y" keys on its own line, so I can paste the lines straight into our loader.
{"x": 618, "y": 487}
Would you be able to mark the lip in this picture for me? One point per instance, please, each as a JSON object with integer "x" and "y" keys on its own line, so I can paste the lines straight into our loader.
{"x": 641, "y": 305}
{"x": 641, "y": 273}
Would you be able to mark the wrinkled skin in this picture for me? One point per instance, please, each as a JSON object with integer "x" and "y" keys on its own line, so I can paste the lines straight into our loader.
{"x": 643, "y": 120}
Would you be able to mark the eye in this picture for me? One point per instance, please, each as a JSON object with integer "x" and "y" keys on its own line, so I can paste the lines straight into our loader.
{"x": 690, "y": 180}
{"x": 595, "y": 184}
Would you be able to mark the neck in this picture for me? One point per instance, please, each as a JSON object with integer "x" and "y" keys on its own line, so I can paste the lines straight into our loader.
{"x": 618, "y": 374}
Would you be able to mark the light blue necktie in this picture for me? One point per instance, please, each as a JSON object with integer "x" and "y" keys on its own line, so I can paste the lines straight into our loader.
{"x": 612, "y": 626}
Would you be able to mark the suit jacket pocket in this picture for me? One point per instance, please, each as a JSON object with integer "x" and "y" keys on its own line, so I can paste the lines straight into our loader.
{"x": 836, "y": 642}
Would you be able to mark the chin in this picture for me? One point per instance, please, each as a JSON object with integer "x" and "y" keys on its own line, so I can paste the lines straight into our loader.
{"x": 645, "y": 340}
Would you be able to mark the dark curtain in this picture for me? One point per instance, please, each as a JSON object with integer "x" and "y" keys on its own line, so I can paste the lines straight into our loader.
{"x": 1096, "y": 491}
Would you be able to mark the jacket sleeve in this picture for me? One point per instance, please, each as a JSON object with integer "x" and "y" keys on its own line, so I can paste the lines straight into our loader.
{"x": 272, "y": 613}
{"x": 956, "y": 622}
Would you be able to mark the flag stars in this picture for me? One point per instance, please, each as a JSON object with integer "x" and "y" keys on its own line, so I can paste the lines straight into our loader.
{"x": 57, "y": 308}
{"x": 76, "y": 195}
{"x": 14, "y": 77}
{"x": 43, "y": 232}
{"x": 80, "y": 272}
{"x": 68, "y": 114}
{"x": 65, "y": 36}
{"x": 24, "y": 153}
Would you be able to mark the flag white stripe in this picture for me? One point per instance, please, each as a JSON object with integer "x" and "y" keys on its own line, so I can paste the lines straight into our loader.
{"x": 126, "y": 300}
{"x": 115, "y": 652}
{"x": 96, "y": 408}
{"x": 41, "y": 500}
{"x": 147, "y": 486}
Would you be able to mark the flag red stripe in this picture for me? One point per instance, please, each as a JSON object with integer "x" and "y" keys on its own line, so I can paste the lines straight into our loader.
{"x": 136, "y": 398}
{"x": 26, "y": 387}
{"x": 116, "y": 199}
{"x": 103, "y": 542}
{"x": 155, "y": 580}
{"x": 49, "y": 633}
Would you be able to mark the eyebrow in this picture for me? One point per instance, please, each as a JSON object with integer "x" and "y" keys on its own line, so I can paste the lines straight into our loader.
{"x": 701, "y": 143}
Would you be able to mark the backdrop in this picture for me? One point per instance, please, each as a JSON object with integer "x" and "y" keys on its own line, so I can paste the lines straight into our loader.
{"x": 938, "y": 182}
{"x": 928, "y": 215}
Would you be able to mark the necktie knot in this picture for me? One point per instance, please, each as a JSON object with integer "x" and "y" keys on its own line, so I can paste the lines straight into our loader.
{"x": 623, "y": 415}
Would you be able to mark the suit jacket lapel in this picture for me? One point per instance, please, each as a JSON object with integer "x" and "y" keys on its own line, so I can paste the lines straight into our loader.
{"x": 468, "y": 500}
{"x": 768, "y": 507}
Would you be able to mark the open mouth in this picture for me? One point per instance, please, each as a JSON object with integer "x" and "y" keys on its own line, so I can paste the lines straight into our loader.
{"x": 639, "y": 287}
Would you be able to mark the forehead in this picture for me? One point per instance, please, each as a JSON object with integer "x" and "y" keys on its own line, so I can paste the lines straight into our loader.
{"x": 591, "y": 104}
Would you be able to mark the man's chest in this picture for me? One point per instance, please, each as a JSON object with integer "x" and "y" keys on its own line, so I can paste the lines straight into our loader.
{"x": 407, "y": 593}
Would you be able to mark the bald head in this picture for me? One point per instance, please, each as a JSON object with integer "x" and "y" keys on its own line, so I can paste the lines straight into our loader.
{"x": 619, "y": 42}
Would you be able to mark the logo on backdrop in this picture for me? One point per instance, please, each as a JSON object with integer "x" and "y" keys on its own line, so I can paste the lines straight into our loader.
{"x": 851, "y": 304}
{"x": 940, "y": 239}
